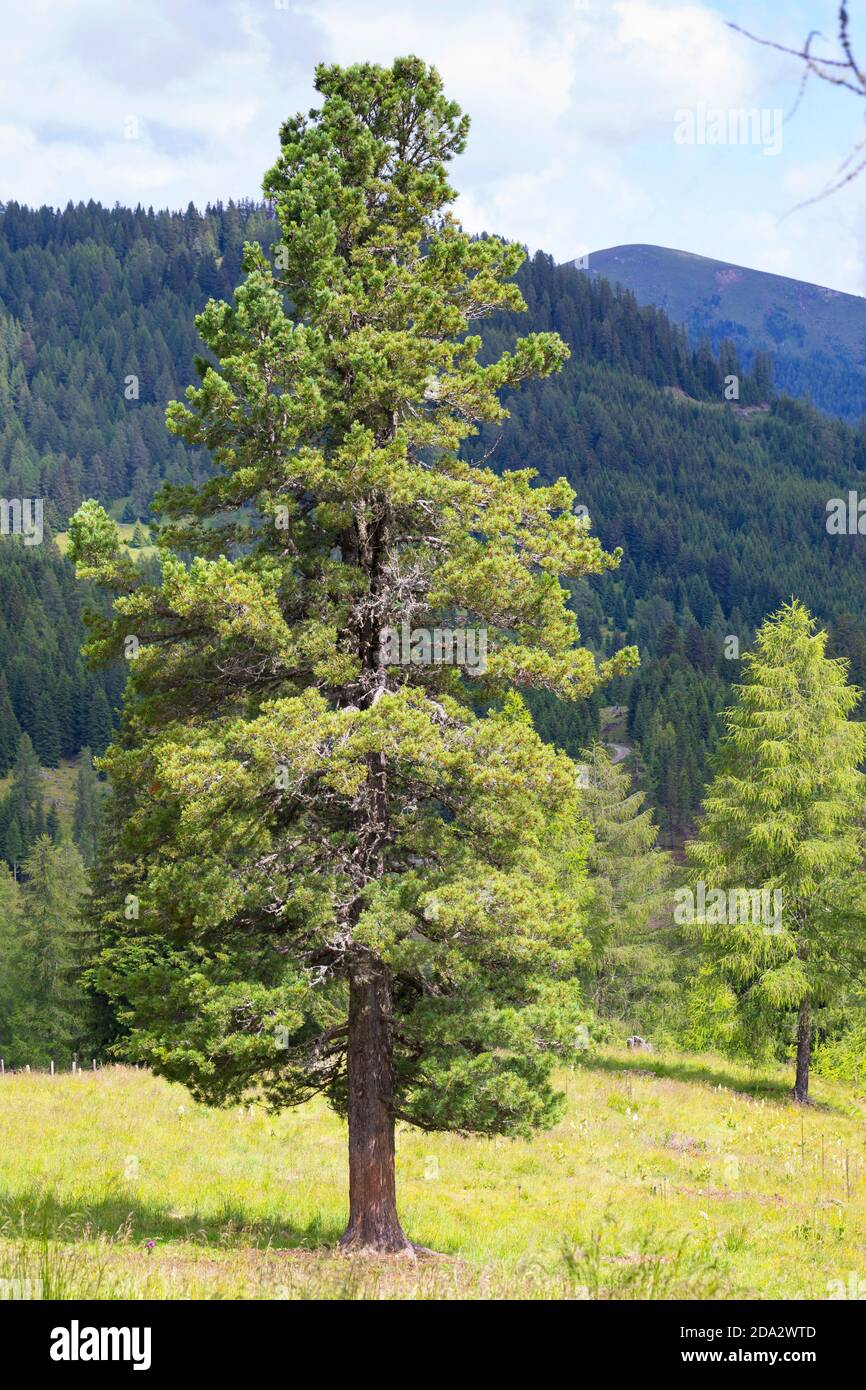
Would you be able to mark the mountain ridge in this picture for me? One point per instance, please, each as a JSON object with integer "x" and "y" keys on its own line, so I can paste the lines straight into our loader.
{"x": 816, "y": 335}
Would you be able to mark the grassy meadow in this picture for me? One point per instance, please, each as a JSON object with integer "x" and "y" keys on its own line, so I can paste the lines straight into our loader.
{"x": 668, "y": 1176}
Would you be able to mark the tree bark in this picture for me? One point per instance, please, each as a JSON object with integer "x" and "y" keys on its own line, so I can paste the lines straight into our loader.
{"x": 804, "y": 1053}
{"x": 373, "y": 1222}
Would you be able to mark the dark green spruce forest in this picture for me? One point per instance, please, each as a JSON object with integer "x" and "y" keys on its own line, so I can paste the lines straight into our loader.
{"x": 719, "y": 506}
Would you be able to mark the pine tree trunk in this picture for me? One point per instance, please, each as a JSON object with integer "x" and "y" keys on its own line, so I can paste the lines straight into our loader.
{"x": 804, "y": 1053}
{"x": 373, "y": 1222}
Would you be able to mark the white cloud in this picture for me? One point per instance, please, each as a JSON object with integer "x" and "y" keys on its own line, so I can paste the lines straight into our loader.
{"x": 572, "y": 105}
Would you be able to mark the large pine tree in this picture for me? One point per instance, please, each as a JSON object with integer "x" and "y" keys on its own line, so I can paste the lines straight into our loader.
{"x": 784, "y": 815}
{"x": 331, "y": 875}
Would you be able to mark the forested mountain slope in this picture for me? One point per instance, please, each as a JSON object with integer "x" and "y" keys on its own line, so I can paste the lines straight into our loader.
{"x": 817, "y": 335}
{"x": 720, "y": 505}
{"x": 45, "y": 689}
{"x": 98, "y": 297}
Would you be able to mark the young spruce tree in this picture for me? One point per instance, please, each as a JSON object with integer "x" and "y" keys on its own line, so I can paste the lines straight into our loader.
{"x": 329, "y": 875}
{"x": 629, "y": 974}
{"x": 784, "y": 814}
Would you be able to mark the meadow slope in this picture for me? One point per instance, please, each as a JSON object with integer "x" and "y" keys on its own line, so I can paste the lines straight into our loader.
{"x": 669, "y": 1176}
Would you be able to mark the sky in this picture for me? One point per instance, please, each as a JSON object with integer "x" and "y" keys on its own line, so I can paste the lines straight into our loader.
{"x": 586, "y": 114}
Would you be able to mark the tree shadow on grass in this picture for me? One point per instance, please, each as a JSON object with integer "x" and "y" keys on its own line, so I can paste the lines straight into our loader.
{"x": 39, "y": 1213}
{"x": 699, "y": 1071}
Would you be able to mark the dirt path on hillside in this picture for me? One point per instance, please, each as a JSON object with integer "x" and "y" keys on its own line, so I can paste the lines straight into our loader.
{"x": 618, "y": 751}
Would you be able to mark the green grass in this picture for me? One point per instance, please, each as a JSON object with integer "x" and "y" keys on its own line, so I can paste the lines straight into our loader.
{"x": 669, "y": 1176}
